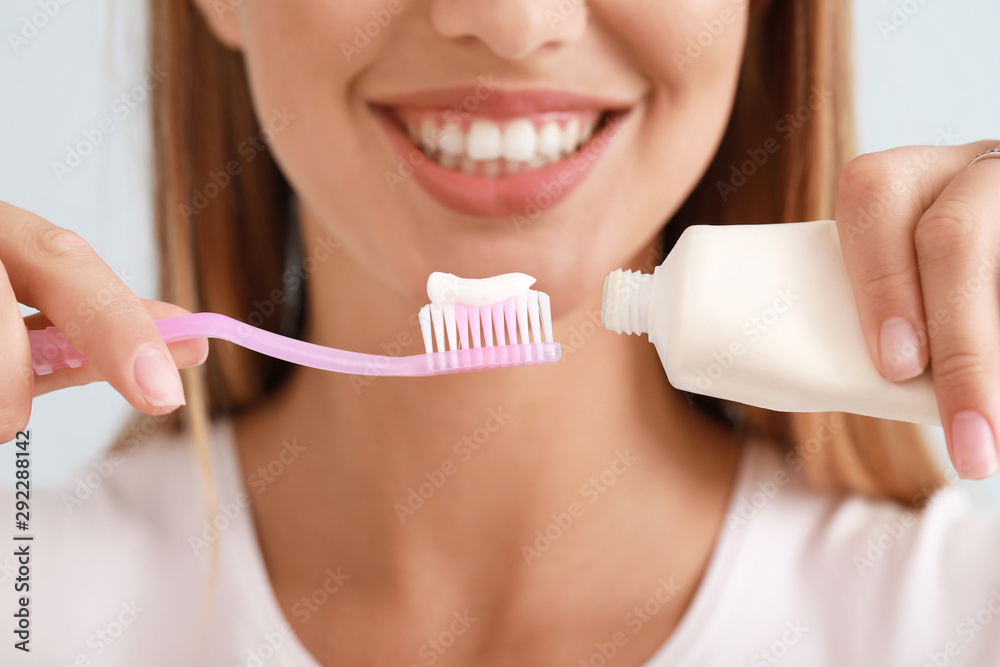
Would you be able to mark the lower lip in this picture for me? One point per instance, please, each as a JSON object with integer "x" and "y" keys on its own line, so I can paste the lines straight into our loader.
{"x": 526, "y": 194}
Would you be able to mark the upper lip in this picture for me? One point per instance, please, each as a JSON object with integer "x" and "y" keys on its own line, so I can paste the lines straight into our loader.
{"x": 497, "y": 102}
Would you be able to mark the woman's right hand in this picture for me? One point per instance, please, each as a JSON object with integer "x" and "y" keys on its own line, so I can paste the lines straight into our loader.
{"x": 55, "y": 271}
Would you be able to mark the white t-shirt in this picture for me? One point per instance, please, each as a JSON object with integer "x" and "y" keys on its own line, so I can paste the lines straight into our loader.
{"x": 118, "y": 574}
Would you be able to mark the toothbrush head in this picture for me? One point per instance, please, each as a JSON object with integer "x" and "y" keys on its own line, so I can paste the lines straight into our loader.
{"x": 470, "y": 314}
{"x": 493, "y": 322}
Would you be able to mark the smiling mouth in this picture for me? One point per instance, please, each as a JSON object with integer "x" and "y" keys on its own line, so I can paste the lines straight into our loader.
{"x": 488, "y": 146}
{"x": 513, "y": 151}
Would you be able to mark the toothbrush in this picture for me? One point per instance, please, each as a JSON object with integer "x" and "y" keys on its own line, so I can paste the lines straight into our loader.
{"x": 459, "y": 308}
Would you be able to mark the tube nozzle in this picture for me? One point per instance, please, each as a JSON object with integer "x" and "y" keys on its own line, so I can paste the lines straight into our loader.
{"x": 626, "y": 303}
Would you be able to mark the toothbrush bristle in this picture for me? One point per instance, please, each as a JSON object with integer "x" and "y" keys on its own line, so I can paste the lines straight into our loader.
{"x": 424, "y": 317}
{"x": 462, "y": 322}
{"x": 510, "y": 314}
{"x": 545, "y": 309}
{"x": 522, "y": 316}
{"x": 437, "y": 319}
{"x": 487, "y": 314}
{"x": 450, "y": 325}
{"x": 498, "y": 324}
{"x": 525, "y": 318}
{"x": 474, "y": 326}
{"x": 532, "y": 308}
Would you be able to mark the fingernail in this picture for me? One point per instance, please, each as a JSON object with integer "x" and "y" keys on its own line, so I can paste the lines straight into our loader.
{"x": 974, "y": 448}
{"x": 158, "y": 378}
{"x": 900, "y": 349}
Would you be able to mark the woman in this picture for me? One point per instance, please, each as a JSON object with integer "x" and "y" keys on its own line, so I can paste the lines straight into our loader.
{"x": 583, "y": 513}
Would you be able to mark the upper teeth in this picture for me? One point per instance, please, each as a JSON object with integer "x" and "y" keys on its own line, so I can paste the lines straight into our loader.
{"x": 518, "y": 141}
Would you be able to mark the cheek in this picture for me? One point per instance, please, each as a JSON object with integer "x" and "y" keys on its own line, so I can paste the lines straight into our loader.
{"x": 676, "y": 38}
{"x": 691, "y": 53}
{"x": 691, "y": 50}
{"x": 302, "y": 57}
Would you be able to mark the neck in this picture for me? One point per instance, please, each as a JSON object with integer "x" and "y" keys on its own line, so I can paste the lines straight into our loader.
{"x": 465, "y": 474}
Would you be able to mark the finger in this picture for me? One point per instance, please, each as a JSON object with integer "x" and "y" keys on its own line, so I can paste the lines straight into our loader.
{"x": 880, "y": 199}
{"x": 184, "y": 357}
{"x": 55, "y": 271}
{"x": 958, "y": 270}
{"x": 185, "y": 353}
{"x": 191, "y": 352}
{"x": 15, "y": 365}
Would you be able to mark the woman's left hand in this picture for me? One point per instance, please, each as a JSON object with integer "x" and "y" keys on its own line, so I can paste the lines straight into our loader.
{"x": 920, "y": 232}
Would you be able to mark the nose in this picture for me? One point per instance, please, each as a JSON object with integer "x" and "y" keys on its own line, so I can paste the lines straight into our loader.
{"x": 512, "y": 29}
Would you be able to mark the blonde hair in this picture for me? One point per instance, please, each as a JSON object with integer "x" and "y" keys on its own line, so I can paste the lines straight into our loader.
{"x": 221, "y": 253}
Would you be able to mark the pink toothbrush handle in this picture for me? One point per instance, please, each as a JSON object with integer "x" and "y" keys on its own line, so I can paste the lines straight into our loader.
{"x": 50, "y": 350}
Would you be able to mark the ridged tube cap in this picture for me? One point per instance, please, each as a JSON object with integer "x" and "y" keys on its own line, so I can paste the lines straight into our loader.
{"x": 626, "y": 303}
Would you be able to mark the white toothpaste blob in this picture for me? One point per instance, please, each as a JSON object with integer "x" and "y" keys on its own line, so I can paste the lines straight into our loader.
{"x": 445, "y": 288}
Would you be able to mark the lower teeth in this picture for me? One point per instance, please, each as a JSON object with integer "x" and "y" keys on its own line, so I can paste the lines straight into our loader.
{"x": 490, "y": 168}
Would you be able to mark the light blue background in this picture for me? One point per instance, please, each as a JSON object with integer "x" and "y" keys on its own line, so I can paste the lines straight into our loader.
{"x": 925, "y": 67}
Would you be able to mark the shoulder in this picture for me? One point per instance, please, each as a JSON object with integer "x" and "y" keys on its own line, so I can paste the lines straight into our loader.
{"x": 773, "y": 488}
{"x": 872, "y": 577}
{"x": 151, "y": 484}
{"x": 112, "y": 548}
